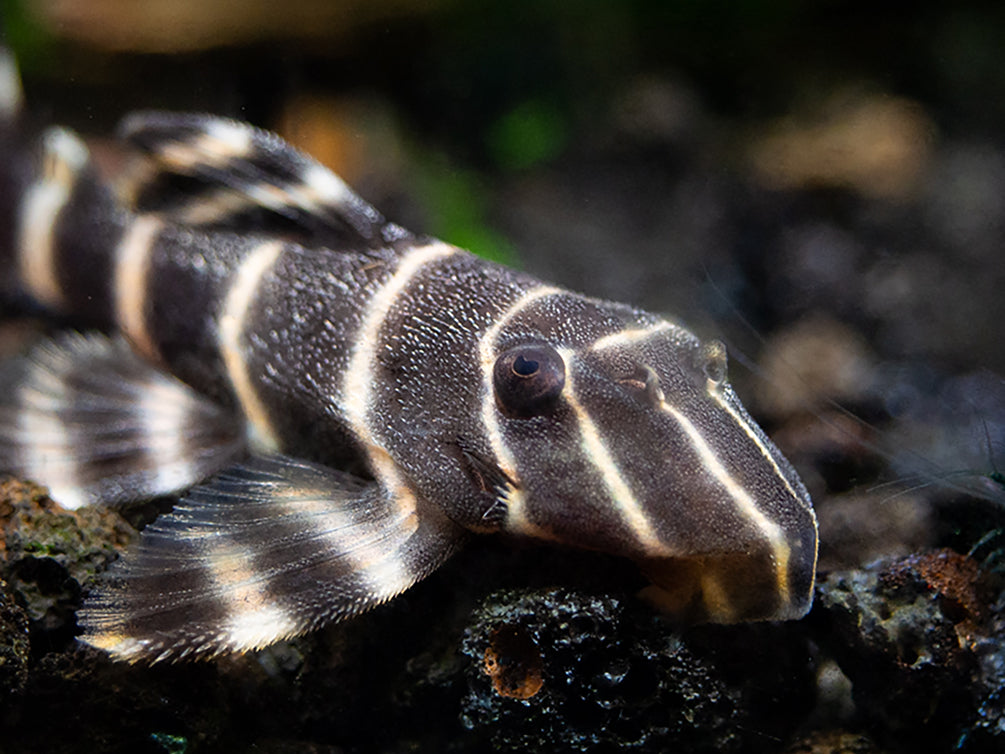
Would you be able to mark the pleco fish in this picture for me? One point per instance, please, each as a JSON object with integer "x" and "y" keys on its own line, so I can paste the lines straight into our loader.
{"x": 341, "y": 402}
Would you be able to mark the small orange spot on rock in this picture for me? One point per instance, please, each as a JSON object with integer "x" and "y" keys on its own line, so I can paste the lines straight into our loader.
{"x": 513, "y": 662}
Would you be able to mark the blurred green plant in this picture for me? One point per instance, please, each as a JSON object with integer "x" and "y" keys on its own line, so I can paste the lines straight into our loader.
{"x": 529, "y": 134}
{"x": 31, "y": 44}
{"x": 455, "y": 200}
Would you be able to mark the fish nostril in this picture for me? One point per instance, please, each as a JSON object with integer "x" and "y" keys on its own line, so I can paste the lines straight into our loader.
{"x": 646, "y": 381}
{"x": 653, "y": 389}
{"x": 713, "y": 361}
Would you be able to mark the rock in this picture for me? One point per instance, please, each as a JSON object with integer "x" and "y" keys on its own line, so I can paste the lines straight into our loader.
{"x": 811, "y": 364}
{"x": 834, "y": 742}
{"x": 48, "y": 554}
{"x": 562, "y": 670}
{"x": 923, "y": 648}
{"x": 13, "y": 646}
{"x": 874, "y": 143}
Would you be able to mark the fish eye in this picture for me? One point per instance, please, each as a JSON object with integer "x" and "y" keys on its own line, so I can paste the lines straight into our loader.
{"x": 528, "y": 380}
{"x": 713, "y": 361}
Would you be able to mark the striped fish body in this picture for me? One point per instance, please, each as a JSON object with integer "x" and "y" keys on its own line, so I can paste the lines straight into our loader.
{"x": 352, "y": 401}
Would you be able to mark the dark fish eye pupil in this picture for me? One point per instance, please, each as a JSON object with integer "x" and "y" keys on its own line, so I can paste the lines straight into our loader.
{"x": 528, "y": 380}
{"x": 525, "y": 367}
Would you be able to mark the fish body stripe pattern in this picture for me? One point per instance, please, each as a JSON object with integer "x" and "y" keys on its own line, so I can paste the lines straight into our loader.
{"x": 627, "y": 337}
{"x": 360, "y": 377}
{"x": 517, "y": 520}
{"x": 740, "y": 499}
{"x": 487, "y": 356}
{"x": 132, "y": 282}
{"x": 231, "y": 319}
{"x": 244, "y": 170}
{"x": 757, "y": 437}
{"x": 622, "y": 499}
{"x": 345, "y": 403}
{"x": 64, "y": 157}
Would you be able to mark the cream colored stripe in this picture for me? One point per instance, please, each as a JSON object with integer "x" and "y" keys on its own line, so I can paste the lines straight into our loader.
{"x": 372, "y": 548}
{"x": 319, "y": 191}
{"x": 487, "y": 356}
{"x": 48, "y": 452}
{"x": 517, "y": 520}
{"x": 316, "y": 190}
{"x": 253, "y": 618}
{"x": 627, "y": 337}
{"x": 756, "y": 439}
{"x": 745, "y": 504}
{"x": 131, "y": 291}
{"x": 323, "y": 188}
{"x": 622, "y": 497}
{"x": 221, "y": 142}
{"x": 357, "y": 388}
{"x": 385, "y": 573}
{"x": 231, "y": 320}
{"x": 64, "y": 156}
{"x": 226, "y": 202}
{"x": 373, "y": 552}
{"x": 211, "y": 207}
{"x": 516, "y": 515}
{"x": 224, "y": 142}
{"x": 162, "y": 411}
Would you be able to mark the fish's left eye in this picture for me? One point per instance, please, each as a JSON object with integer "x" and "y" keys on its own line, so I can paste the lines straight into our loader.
{"x": 528, "y": 379}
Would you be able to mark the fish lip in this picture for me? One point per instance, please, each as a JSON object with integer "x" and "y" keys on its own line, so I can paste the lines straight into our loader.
{"x": 723, "y": 588}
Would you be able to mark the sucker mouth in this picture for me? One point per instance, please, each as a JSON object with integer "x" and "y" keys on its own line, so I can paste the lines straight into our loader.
{"x": 722, "y": 588}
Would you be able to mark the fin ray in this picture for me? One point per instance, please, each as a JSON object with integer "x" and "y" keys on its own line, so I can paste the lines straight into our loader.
{"x": 267, "y": 550}
{"x": 207, "y": 171}
{"x": 87, "y": 417}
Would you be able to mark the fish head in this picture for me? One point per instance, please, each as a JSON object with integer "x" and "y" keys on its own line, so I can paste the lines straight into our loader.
{"x": 625, "y": 436}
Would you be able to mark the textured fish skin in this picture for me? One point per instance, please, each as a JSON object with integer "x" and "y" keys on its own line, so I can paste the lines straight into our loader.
{"x": 342, "y": 402}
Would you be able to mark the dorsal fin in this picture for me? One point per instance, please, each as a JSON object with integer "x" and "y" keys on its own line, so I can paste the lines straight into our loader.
{"x": 209, "y": 172}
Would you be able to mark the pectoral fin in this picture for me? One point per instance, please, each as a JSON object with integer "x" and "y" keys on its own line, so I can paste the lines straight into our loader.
{"x": 205, "y": 171}
{"x": 266, "y": 551}
{"x": 88, "y": 418}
